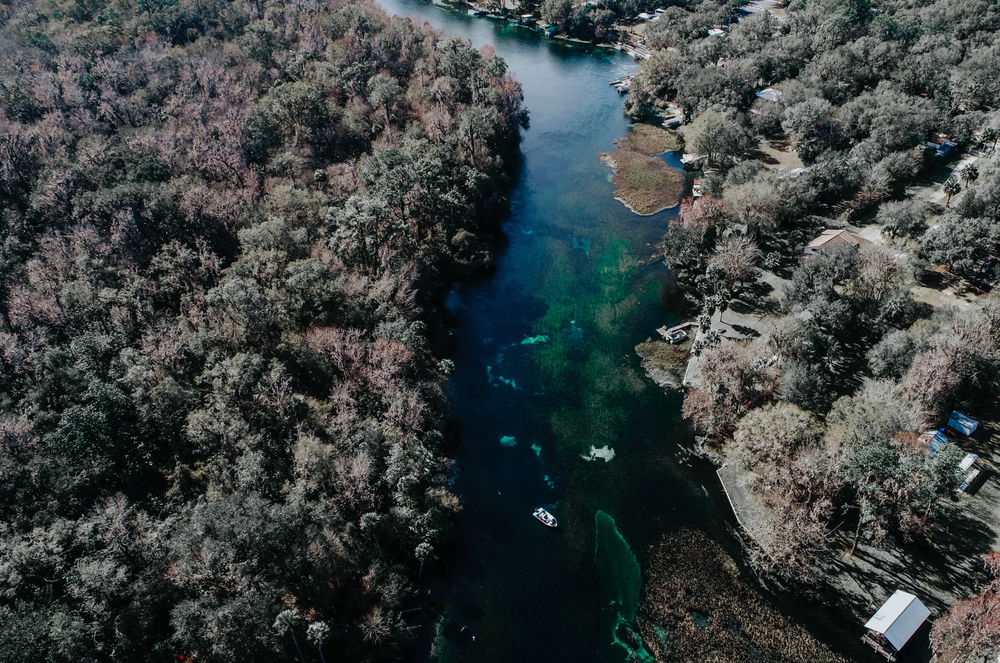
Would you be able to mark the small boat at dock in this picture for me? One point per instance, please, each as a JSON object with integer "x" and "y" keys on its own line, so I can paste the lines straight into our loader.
{"x": 545, "y": 517}
{"x": 676, "y": 334}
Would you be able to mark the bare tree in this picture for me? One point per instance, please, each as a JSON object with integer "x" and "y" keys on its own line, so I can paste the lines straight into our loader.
{"x": 738, "y": 257}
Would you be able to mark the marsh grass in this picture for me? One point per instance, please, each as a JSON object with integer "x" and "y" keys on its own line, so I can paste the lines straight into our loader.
{"x": 645, "y": 184}
{"x": 663, "y": 355}
{"x": 694, "y": 608}
{"x": 652, "y": 140}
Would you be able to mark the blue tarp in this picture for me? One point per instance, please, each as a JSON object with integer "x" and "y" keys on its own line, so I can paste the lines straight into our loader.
{"x": 938, "y": 439}
{"x": 962, "y": 423}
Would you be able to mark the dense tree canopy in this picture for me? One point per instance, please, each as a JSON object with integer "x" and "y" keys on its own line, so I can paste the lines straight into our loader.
{"x": 825, "y": 407}
{"x": 221, "y": 423}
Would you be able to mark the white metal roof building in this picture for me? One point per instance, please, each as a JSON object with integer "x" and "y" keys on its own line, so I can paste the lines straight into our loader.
{"x": 899, "y": 618}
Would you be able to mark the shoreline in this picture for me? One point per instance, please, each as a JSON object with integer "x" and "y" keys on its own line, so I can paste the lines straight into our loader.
{"x": 460, "y": 6}
{"x": 646, "y": 213}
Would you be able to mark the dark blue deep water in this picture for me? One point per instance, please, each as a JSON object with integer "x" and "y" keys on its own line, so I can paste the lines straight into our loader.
{"x": 546, "y": 374}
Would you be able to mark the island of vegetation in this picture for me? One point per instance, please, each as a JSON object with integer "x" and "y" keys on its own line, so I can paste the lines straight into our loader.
{"x": 222, "y": 225}
{"x": 644, "y": 182}
{"x": 838, "y": 258}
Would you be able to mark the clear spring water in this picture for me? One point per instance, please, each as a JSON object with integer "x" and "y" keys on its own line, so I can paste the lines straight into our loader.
{"x": 554, "y": 408}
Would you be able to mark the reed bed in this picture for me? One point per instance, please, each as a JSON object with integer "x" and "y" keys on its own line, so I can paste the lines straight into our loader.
{"x": 652, "y": 140}
{"x": 695, "y": 609}
{"x": 645, "y": 184}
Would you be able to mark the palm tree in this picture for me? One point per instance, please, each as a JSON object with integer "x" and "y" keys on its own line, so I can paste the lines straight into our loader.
{"x": 969, "y": 174}
{"x": 990, "y": 134}
{"x": 951, "y": 187}
{"x": 285, "y": 623}
{"x": 722, "y": 302}
{"x": 317, "y": 633}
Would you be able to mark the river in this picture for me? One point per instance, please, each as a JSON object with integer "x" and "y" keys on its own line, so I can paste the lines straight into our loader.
{"x": 546, "y": 374}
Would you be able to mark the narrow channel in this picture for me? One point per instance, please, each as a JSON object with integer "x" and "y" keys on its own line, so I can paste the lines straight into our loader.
{"x": 547, "y": 384}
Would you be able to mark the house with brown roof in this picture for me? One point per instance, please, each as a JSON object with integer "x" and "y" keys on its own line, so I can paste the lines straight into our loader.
{"x": 831, "y": 237}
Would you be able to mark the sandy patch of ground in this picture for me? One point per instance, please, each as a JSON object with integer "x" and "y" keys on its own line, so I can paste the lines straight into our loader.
{"x": 941, "y": 288}
{"x": 937, "y": 298}
{"x": 778, "y": 156}
{"x": 767, "y": 5}
{"x": 872, "y": 233}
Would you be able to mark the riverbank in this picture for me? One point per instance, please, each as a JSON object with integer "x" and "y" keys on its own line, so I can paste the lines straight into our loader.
{"x": 634, "y": 50}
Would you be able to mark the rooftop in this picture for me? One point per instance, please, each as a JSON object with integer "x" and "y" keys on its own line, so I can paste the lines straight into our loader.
{"x": 769, "y": 94}
{"x": 899, "y": 618}
{"x": 837, "y": 237}
{"x": 962, "y": 422}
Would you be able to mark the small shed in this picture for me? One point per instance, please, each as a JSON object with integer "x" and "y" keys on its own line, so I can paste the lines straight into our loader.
{"x": 940, "y": 144}
{"x": 970, "y": 465}
{"x": 934, "y": 438}
{"x": 963, "y": 423}
{"x": 895, "y": 623}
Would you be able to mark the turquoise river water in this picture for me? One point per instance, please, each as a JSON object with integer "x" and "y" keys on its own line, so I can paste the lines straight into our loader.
{"x": 548, "y": 386}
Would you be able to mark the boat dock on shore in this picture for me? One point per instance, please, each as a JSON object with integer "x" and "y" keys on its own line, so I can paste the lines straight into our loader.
{"x": 623, "y": 85}
{"x": 664, "y": 332}
{"x": 637, "y": 52}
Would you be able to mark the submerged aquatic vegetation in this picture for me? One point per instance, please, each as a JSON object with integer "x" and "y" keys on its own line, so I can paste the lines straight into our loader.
{"x": 621, "y": 587}
{"x": 694, "y": 608}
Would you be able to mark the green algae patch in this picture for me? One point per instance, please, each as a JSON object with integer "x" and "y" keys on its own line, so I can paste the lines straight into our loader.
{"x": 652, "y": 140}
{"x": 694, "y": 608}
{"x": 645, "y": 184}
{"x": 621, "y": 590}
{"x": 508, "y": 441}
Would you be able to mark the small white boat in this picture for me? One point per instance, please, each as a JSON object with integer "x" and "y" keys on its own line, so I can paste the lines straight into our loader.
{"x": 545, "y": 517}
{"x": 678, "y": 336}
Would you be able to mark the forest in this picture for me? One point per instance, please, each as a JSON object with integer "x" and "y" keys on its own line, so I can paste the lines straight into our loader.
{"x": 825, "y": 406}
{"x": 224, "y": 225}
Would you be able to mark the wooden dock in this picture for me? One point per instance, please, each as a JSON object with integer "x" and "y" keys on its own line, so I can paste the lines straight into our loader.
{"x": 877, "y": 646}
{"x": 663, "y": 331}
{"x": 637, "y": 52}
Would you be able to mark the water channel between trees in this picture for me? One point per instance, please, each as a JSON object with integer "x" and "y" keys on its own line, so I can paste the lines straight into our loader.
{"x": 548, "y": 386}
